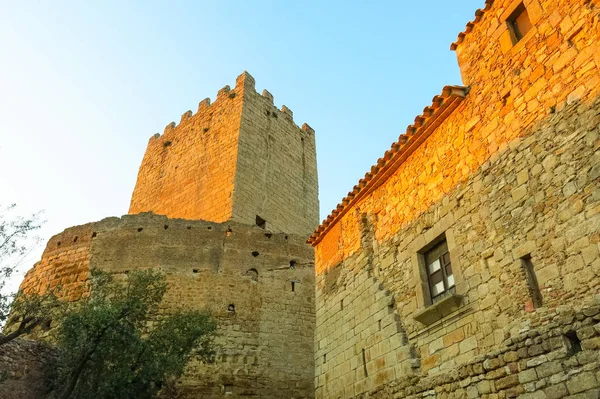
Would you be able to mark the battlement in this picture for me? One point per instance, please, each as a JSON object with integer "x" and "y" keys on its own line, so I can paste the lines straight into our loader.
{"x": 214, "y": 165}
{"x": 244, "y": 84}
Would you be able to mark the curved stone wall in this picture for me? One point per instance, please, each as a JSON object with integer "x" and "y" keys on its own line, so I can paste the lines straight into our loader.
{"x": 259, "y": 286}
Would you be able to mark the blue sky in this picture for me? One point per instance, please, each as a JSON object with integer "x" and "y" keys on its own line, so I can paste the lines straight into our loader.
{"x": 84, "y": 84}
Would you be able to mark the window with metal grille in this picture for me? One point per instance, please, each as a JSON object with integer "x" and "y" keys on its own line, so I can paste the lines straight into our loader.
{"x": 439, "y": 270}
{"x": 519, "y": 23}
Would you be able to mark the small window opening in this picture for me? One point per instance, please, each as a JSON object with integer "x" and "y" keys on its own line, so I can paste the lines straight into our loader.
{"x": 364, "y": 359}
{"x": 58, "y": 244}
{"x": 140, "y": 229}
{"x": 342, "y": 304}
{"x": 260, "y": 222}
{"x": 286, "y": 237}
{"x": 532, "y": 283}
{"x": 439, "y": 271}
{"x": 255, "y": 253}
{"x": 379, "y": 324}
{"x": 126, "y": 272}
{"x": 572, "y": 343}
{"x": 292, "y": 264}
{"x": 293, "y": 286}
{"x": 166, "y": 226}
{"x": 46, "y": 325}
{"x": 75, "y": 239}
{"x": 506, "y": 99}
{"x": 94, "y": 234}
{"x": 268, "y": 235}
{"x": 189, "y": 227}
{"x": 195, "y": 270}
{"x": 519, "y": 23}
{"x": 253, "y": 274}
{"x": 210, "y": 227}
{"x": 325, "y": 358}
{"x": 228, "y": 389}
{"x": 231, "y": 308}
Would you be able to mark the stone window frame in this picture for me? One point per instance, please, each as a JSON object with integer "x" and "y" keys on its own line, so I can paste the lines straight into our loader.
{"x": 517, "y": 21}
{"x": 534, "y": 12}
{"x": 427, "y": 311}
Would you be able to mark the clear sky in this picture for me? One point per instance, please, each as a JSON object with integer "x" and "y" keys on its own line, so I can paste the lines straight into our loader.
{"x": 84, "y": 84}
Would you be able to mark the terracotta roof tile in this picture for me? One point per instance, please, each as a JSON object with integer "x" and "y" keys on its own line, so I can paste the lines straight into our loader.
{"x": 478, "y": 14}
{"x": 424, "y": 124}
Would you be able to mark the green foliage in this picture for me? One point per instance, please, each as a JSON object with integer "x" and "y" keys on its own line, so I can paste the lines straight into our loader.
{"x": 16, "y": 241}
{"x": 107, "y": 350}
{"x": 29, "y": 311}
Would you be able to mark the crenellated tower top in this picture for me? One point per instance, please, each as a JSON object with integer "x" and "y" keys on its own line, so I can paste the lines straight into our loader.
{"x": 238, "y": 158}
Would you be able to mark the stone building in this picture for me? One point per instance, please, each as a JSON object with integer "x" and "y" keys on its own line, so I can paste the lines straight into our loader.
{"x": 223, "y": 205}
{"x": 465, "y": 263}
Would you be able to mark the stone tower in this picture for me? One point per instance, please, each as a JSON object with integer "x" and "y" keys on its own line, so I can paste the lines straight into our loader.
{"x": 223, "y": 205}
{"x": 238, "y": 159}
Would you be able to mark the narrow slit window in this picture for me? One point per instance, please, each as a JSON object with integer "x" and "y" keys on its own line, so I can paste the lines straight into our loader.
{"x": 439, "y": 270}
{"x": 293, "y": 286}
{"x": 519, "y": 23}
{"x": 532, "y": 283}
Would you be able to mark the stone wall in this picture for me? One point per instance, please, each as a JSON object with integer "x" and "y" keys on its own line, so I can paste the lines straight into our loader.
{"x": 235, "y": 159}
{"x": 258, "y": 285}
{"x": 22, "y": 369}
{"x": 189, "y": 171}
{"x": 277, "y": 168}
{"x": 508, "y": 176}
{"x": 558, "y": 358}
{"x": 491, "y": 222}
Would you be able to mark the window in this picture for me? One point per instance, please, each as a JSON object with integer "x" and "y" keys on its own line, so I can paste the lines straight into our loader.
{"x": 532, "y": 283}
{"x": 260, "y": 222}
{"x": 439, "y": 270}
{"x": 518, "y": 23}
{"x": 437, "y": 283}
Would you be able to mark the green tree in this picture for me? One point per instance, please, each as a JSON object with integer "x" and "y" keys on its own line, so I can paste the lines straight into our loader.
{"x": 107, "y": 350}
{"x": 16, "y": 241}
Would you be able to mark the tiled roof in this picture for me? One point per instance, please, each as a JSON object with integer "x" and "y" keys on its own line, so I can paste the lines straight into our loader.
{"x": 424, "y": 125}
{"x": 478, "y": 14}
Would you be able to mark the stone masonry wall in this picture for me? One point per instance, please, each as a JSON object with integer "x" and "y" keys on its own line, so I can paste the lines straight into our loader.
{"x": 277, "y": 168}
{"x": 22, "y": 369}
{"x": 544, "y": 362}
{"x": 258, "y": 285}
{"x": 510, "y": 175}
{"x": 503, "y": 104}
{"x": 188, "y": 172}
{"x": 235, "y": 159}
{"x": 538, "y": 197}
